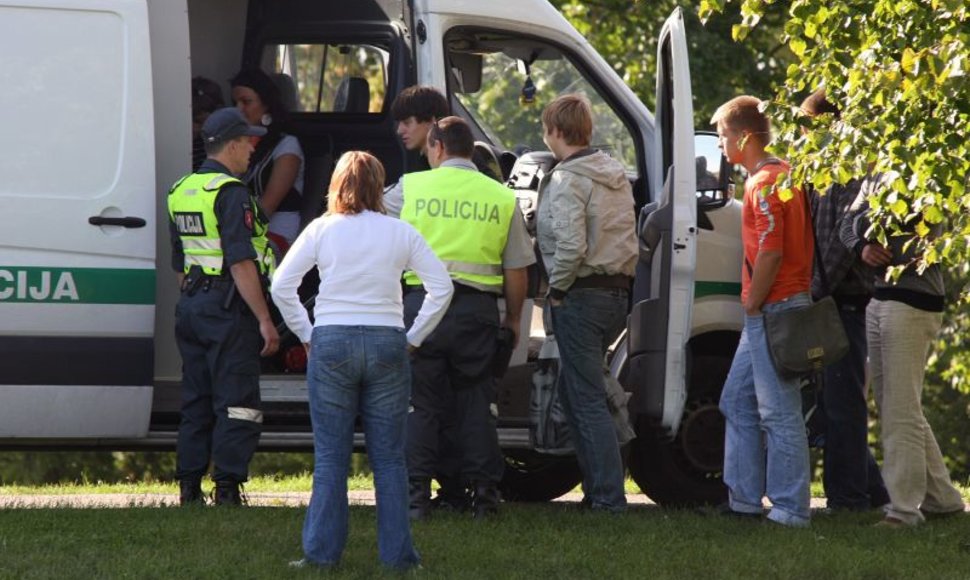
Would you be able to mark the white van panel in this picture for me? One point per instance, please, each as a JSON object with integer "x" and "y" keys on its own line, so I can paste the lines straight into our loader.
{"x": 74, "y": 411}
{"x": 51, "y": 319}
{"x": 171, "y": 76}
{"x": 529, "y": 13}
{"x": 673, "y": 38}
{"x": 56, "y": 99}
{"x": 77, "y": 140}
{"x": 77, "y": 261}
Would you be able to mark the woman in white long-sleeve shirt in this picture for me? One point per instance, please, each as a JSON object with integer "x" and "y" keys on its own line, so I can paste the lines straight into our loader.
{"x": 357, "y": 350}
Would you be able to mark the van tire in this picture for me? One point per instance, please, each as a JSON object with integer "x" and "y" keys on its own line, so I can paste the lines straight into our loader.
{"x": 687, "y": 470}
{"x": 531, "y": 476}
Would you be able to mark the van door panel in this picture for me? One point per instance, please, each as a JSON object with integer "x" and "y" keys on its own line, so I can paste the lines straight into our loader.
{"x": 660, "y": 321}
{"x": 76, "y": 295}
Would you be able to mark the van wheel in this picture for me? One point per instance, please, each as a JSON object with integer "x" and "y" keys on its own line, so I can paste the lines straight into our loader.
{"x": 687, "y": 470}
{"x": 533, "y": 477}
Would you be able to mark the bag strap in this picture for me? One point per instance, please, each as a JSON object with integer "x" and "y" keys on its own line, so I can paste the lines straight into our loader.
{"x": 818, "y": 259}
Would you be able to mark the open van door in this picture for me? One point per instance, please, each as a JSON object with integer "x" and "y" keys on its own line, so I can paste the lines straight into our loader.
{"x": 77, "y": 257}
{"x": 660, "y": 321}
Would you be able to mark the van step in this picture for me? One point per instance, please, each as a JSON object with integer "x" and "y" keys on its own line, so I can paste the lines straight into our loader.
{"x": 283, "y": 388}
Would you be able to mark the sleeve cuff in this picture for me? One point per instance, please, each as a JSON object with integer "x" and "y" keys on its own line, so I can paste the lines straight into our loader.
{"x": 859, "y": 246}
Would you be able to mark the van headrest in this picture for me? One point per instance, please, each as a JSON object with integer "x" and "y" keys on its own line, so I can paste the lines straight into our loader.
{"x": 353, "y": 96}
{"x": 287, "y": 88}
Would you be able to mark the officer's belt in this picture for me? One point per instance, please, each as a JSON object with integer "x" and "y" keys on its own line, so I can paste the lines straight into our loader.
{"x": 197, "y": 272}
{"x": 459, "y": 289}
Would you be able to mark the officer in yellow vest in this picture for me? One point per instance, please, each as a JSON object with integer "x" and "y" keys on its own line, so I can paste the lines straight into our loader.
{"x": 414, "y": 110}
{"x": 475, "y": 227}
{"x": 223, "y": 325}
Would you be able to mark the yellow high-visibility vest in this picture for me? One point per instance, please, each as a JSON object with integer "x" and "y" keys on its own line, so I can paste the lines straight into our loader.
{"x": 191, "y": 205}
{"x": 465, "y": 217}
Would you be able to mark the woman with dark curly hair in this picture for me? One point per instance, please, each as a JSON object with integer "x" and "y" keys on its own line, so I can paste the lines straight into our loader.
{"x": 276, "y": 169}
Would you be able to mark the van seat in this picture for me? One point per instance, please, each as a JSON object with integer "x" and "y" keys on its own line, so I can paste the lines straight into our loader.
{"x": 319, "y": 167}
{"x": 287, "y": 88}
{"x": 353, "y": 96}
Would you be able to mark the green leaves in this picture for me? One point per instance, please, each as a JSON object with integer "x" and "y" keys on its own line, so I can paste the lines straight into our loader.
{"x": 910, "y": 61}
{"x": 897, "y": 70}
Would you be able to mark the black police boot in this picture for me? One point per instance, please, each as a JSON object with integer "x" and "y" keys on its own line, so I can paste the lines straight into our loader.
{"x": 228, "y": 494}
{"x": 190, "y": 493}
{"x": 485, "y": 500}
{"x": 452, "y": 496}
{"x": 419, "y": 492}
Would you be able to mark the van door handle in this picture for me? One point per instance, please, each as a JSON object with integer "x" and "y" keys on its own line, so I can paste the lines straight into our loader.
{"x": 125, "y": 222}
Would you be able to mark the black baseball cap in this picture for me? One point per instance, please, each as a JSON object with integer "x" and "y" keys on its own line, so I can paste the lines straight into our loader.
{"x": 226, "y": 124}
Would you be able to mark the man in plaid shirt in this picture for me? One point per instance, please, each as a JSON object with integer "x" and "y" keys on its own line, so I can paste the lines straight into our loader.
{"x": 851, "y": 477}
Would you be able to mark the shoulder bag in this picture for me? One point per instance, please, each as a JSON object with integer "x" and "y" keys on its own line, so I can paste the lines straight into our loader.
{"x": 804, "y": 340}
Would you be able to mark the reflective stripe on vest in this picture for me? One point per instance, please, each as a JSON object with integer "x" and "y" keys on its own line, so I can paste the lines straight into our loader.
{"x": 191, "y": 206}
{"x": 465, "y": 218}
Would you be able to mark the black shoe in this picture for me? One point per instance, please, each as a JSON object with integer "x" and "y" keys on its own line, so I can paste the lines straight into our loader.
{"x": 190, "y": 493}
{"x": 485, "y": 500}
{"x": 419, "y": 498}
{"x": 228, "y": 494}
{"x": 455, "y": 500}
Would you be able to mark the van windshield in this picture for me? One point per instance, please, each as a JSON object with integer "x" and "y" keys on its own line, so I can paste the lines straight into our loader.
{"x": 497, "y": 98}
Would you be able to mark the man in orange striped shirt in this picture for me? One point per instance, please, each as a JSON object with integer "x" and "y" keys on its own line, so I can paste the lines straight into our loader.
{"x": 761, "y": 408}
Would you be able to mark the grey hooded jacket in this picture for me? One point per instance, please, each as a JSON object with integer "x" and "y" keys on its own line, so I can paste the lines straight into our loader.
{"x": 585, "y": 219}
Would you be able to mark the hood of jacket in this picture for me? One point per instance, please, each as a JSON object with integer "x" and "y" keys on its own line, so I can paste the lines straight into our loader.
{"x": 598, "y": 166}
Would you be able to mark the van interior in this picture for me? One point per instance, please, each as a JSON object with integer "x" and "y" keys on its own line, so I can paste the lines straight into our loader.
{"x": 338, "y": 66}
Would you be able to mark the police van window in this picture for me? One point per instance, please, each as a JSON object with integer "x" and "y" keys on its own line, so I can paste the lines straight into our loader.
{"x": 331, "y": 78}
{"x": 504, "y": 82}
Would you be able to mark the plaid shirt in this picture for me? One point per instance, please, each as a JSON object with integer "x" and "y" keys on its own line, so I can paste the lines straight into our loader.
{"x": 847, "y": 275}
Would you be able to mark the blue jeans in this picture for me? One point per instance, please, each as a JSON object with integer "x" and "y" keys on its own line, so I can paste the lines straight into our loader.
{"x": 760, "y": 408}
{"x": 851, "y": 477}
{"x": 365, "y": 370}
{"x": 587, "y": 322}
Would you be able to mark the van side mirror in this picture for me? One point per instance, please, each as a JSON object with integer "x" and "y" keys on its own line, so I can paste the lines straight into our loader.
{"x": 714, "y": 187}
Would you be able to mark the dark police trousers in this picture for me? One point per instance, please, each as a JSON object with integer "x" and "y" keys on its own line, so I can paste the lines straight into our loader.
{"x": 221, "y": 410}
{"x": 452, "y": 389}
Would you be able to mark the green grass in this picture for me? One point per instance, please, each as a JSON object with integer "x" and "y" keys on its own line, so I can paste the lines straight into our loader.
{"x": 267, "y": 484}
{"x": 524, "y": 541}
{"x": 262, "y": 484}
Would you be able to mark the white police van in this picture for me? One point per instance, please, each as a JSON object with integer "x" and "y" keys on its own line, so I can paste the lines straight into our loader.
{"x": 96, "y": 116}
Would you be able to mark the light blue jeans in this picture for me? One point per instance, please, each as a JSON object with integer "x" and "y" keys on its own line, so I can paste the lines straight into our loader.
{"x": 762, "y": 409}
{"x": 365, "y": 370}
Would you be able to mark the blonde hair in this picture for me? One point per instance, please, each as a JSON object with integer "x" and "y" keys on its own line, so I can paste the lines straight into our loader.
{"x": 572, "y": 116}
{"x": 744, "y": 114}
{"x": 357, "y": 184}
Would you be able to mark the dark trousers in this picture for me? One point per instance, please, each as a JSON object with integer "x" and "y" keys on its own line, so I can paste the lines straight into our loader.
{"x": 221, "y": 410}
{"x": 452, "y": 389}
{"x": 851, "y": 476}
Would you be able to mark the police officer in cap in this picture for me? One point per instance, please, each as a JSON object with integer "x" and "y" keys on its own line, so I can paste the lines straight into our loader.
{"x": 474, "y": 225}
{"x": 223, "y": 324}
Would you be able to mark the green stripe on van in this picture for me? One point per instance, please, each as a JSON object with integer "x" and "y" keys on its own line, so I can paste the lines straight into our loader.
{"x": 77, "y": 285}
{"x": 715, "y": 288}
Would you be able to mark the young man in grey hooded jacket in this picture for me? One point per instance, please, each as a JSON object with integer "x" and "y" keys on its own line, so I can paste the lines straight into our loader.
{"x": 587, "y": 236}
